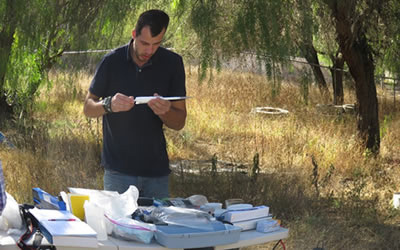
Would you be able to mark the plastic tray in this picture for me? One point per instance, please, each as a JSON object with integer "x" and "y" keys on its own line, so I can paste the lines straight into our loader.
{"x": 185, "y": 237}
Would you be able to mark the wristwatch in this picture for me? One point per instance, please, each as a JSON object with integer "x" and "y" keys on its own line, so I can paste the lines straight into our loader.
{"x": 107, "y": 104}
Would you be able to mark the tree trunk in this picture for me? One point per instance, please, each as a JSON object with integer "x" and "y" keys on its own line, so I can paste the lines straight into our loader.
{"x": 7, "y": 31}
{"x": 362, "y": 69}
{"x": 358, "y": 56}
{"x": 312, "y": 58}
{"x": 6, "y": 110}
{"x": 337, "y": 79}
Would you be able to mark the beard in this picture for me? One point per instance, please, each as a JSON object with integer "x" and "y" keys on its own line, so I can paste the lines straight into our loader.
{"x": 141, "y": 57}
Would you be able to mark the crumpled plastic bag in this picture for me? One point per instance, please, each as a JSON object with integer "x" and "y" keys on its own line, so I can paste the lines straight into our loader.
{"x": 130, "y": 229}
{"x": 11, "y": 217}
{"x": 114, "y": 204}
{"x": 182, "y": 217}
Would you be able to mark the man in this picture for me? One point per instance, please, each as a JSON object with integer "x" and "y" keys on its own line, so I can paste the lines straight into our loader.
{"x": 3, "y": 197}
{"x": 134, "y": 147}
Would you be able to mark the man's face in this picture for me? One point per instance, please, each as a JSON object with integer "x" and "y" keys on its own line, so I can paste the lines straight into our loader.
{"x": 144, "y": 45}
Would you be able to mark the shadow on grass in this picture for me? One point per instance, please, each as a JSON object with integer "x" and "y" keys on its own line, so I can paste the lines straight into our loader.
{"x": 343, "y": 222}
{"x": 284, "y": 193}
{"x": 333, "y": 230}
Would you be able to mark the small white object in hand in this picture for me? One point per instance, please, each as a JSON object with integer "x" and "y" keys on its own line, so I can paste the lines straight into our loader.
{"x": 146, "y": 99}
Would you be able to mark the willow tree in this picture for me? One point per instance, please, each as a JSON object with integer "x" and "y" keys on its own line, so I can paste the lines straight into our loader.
{"x": 242, "y": 30}
{"x": 388, "y": 39}
{"x": 305, "y": 27}
{"x": 270, "y": 30}
{"x": 36, "y": 34}
{"x": 326, "y": 45}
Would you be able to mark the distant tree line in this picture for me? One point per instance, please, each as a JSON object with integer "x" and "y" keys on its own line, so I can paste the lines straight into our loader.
{"x": 362, "y": 36}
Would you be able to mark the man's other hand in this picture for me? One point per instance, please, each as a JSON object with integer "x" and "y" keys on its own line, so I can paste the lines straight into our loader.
{"x": 159, "y": 106}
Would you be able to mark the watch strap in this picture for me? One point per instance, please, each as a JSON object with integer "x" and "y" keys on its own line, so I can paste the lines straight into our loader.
{"x": 107, "y": 104}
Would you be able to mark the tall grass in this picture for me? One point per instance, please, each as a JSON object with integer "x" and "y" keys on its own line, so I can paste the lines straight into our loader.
{"x": 308, "y": 166}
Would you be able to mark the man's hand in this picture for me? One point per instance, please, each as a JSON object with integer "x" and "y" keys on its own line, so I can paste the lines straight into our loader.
{"x": 121, "y": 102}
{"x": 172, "y": 114}
{"x": 159, "y": 106}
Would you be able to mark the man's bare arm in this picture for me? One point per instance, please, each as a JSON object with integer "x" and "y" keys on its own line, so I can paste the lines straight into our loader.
{"x": 119, "y": 103}
{"x": 93, "y": 107}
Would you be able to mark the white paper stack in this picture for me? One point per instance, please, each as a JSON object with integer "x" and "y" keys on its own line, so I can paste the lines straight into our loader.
{"x": 245, "y": 214}
{"x": 250, "y": 224}
{"x": 246, "y": 218}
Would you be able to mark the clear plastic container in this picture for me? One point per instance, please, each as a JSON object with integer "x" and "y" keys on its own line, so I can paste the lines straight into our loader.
{"x": 94, "y": 216}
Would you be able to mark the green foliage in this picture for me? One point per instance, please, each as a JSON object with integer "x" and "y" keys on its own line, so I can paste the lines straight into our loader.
{"x": 204, "y": 20}
{"x": 262, "y": 28}
{"x": 47, "y": 28}
{"x": 24, "y": 77}
{"x": 391, "y": 62}
{"x": 383, "y": 31}
{"x": 240, "y": 30}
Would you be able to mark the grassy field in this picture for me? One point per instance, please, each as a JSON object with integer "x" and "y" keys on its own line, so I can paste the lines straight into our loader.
{"x": 308, "y": 165}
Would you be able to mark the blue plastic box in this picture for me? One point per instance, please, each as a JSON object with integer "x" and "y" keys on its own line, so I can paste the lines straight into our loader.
{"x": 42, "y": 199}
{"x": 173, "y": 236}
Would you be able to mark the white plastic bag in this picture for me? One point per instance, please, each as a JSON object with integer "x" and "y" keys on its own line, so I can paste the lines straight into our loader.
{"x": 267, "y": 226}
{"x": 115, "y": 205}
{"x": 10, "y": 218}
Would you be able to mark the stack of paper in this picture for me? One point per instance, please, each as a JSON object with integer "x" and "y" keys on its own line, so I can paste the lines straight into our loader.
{"x": 246, "y": 218}
{"x": 246, "y": 214}
{"x": 61, "y": 228}
{"x": 250, "y": 224}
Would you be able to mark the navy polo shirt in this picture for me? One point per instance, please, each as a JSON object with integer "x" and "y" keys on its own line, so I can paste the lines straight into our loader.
{"x": 133, "y": 141}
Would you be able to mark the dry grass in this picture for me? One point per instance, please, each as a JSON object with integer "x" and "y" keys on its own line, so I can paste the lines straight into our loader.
{"x": 344, "y": 190}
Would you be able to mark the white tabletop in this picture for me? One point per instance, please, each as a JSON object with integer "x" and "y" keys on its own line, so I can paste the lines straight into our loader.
{"x": 8, "y": 242}
{"x": 247, "y": 238}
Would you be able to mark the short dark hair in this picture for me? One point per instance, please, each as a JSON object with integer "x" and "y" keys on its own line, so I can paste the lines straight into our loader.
{"x": 156, "y": 19}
